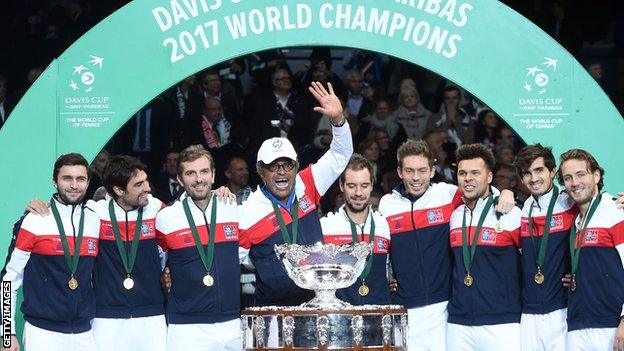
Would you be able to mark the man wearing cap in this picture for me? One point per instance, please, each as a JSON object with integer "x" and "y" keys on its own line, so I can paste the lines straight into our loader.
{"x": 284, "y": 208}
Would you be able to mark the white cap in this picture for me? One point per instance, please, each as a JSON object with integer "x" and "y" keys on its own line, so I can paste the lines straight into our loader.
{"x": 274, "y": 148}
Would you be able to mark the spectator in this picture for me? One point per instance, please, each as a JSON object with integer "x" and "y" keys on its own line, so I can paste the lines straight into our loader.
{"x": 453, "y": 119}
{"x": 369, "y": 63}
{"x": 506, "y": 136}
{"x": 96, "y": 169}
{"x": 212, "y": 128}
{"x": 411, "y": 116}
{"x": 474, "y": 107}
{"x": 211, "y": 86}
{"x": 6, "y": 105}
{"x": 281, "y": 112}
{"x": 167, "y": 186}
{"x": 382, "y": 119}
{"x": 505, "y": 155}
{"x": 261, "y": 67}
{"x": 375, "y": 197}
{"x": 146, "y": 135}
{"x": 444, "y": 172}
{"x": 564, "y": 29}
{"x": 358, "y": 105}
{"x": 237, "y": 174}
{"x": 370, "y": 150}
{"x": 387, "y": 150}
{"x": 487, "y": 129}
{"x": 505, "y": 177}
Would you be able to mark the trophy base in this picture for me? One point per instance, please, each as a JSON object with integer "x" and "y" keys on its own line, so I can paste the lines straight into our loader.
{"x": 365, "y": 327}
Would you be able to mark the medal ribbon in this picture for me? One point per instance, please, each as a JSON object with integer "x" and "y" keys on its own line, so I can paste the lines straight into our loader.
{"x": 128, "y": 263}
{"x": 541, "y": 255}
{"x": 371, "y": 239}
{"x": 578, "y": 239}
{"x": 294, "y": 214}
{"x": 467, "y": 254}
{"x": 208, "y": 255}
{"x": 71, "y": 261}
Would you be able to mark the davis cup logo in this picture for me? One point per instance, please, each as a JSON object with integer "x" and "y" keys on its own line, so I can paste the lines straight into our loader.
{"x": 82, "y": 77}
{"x": 537, "y": 77}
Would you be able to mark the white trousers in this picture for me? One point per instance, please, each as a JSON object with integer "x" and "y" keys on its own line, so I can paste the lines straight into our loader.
{"x": 37, "y": 339}
{"x": 591, "y": 339}
{"x": 223, "y": 336}
{"x": 427, "y": 327}
{"x": 544, "y": 332}
{"x": 484, "y": 337}
{"x": 130, "y": 334}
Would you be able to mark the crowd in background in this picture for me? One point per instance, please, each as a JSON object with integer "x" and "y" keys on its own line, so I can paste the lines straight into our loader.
{"x": 232, "y": 107}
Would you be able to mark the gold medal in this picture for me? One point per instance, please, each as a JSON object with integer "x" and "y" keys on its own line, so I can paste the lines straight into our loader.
{"x": 468, "y": 280}
{"x": 128, "y": 283}
{"x": 73, "y": 283}
{"x": 499, "y": 227}
{"x": 363, "y": 290}
{"x": 539, "y": 277}
{"x": 573, "y": 283}
{"x": 208, "y": 280}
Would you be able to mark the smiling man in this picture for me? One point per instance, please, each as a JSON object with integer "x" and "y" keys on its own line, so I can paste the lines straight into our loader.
{"x": 53, "y": 257}
{"x": 130, "y": 302}
{"x": 596, "y": 298}
{"x": 200, "y": 237}
{"x": 284, "y": 208}
{"x": 484, "y": 310}
{"x": 546, "y": 219}
{"x": 355, "y": 221}
{"x": 418, "y": 214}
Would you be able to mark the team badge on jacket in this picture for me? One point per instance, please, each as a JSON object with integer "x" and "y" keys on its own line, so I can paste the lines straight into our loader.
{"x": 435, "y": 216}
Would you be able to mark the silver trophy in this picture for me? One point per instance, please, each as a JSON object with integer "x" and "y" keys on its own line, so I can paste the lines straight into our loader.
{"x": 325, "y": 322}
{"x": 324, "y": 269}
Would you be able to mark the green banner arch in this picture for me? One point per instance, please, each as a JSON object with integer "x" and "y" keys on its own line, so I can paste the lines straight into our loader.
{"x": 87, "y": 93}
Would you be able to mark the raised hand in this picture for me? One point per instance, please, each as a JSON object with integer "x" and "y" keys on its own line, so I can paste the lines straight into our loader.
{"x": 330, "y": 104}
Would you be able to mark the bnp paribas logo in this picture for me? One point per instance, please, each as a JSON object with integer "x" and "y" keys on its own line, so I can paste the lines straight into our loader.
{"x": 538, "y": 76}
{"x": 84, "y": 75}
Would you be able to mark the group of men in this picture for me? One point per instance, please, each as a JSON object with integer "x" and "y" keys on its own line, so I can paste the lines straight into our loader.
{"x": 474, "y": 272}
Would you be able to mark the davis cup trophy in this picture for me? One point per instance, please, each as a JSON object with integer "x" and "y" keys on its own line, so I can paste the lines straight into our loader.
{"x": 325, "y": 322}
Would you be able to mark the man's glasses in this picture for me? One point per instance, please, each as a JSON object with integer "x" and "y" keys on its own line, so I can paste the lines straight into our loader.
{"x": 286, "y": 166}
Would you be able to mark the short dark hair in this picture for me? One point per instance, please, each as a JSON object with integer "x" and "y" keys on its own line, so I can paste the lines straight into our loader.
{"x": 414, "y": 148}
{"x": 191, "y": 154}
{"x": 472, "y": 151}
{"x": 358, "y": 162}
{"x": 530, "y": 153}
{"x": 450, "y": 88}
{"x": 70, "y": 159}
{"x": 118, "y": 172}
{"x": 365, "y": 144}
{"x": 581, "y": 155}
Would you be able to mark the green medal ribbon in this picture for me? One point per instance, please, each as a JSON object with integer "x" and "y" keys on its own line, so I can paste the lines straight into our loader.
{"x": 371, "y": 239}
{"x": 577, "y": 238}
{"x": 71, "y": 261}
{"x": 128, "y": 262}
{"x": 467, "y": 254}
{"x": 294, "y": 214}
{"x": 208, "y": 255}
{"x": 541, "y": 255}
